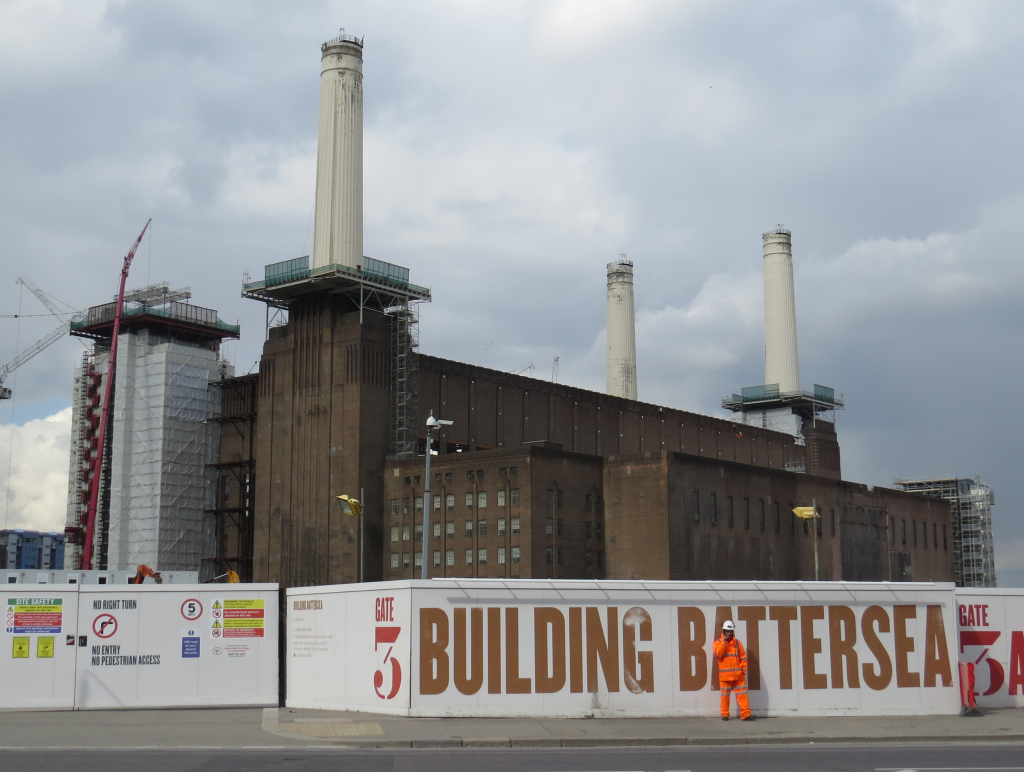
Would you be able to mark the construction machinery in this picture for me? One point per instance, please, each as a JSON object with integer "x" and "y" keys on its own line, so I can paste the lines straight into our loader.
{"x": 144, "y": 572}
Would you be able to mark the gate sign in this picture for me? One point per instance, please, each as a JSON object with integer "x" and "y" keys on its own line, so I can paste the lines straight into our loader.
{"x": 554, "y": 648}
{"x": 991, "y": 635}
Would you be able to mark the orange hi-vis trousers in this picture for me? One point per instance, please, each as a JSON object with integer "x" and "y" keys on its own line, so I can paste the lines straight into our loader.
{"x": 739, "y": 686}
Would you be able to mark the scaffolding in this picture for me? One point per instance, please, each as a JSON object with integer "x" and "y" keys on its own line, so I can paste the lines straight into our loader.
{"x": 970, "y": 515}
{"x": 405, "y": 379}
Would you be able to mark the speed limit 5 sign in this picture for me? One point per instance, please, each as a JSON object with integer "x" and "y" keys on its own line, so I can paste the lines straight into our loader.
{"x": 191, "y": 609}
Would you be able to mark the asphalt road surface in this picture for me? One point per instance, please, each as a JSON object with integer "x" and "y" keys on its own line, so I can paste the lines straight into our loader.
{"x": 1001, "y": 757}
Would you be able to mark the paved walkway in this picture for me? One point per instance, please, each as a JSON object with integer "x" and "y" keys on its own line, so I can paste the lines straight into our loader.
{"x": 375, "y": 730}
{"x": 264, "y": 728}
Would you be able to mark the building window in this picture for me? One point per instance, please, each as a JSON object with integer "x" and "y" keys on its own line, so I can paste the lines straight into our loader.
{"x": 746, "y": 514}
{"x": 762, "y": 516}
{"x": 513, "y": 470}
{"x": 469, "y": 557}
{"x": 469, "y": 501}
{"x": 549, "y": 498}
{"x": 449, "y": 501}
{"x": 714, "y": 509}
{"x": 817, "y": 521}
{"x": 501, "y": 497}
{"x": 501, "y": 526}
{"x": 394, "y": 506}
{"x": 503, "y": 471}
{"x": 548, "y": 556}
{"x": 418, "y": 502}
{"x": 418, "y": 532}
{"x": 449, "y": 557}
{"x": 437, "y": 530}
{"x": 561, "y": 498}
{"x": 588, "y": 502}
{"x": 405, "y": 506}
{"x": 892, "y": 529}
{"x": 943, "y": 537}
{"x": 514, "y": 495}
{"x": 408, "y": 481}
{"x": 394, "y": 533}
{"x": 696, "y": 507}
{"x": 481, "y": 499}
{"x": 515, "y": 525}
{"x": 481, "y": 556}
{"x": 437, "y": 557}
{"x": 792, "y": 519}
{"x": 394, "y": 560}
{"x": 904, "y": 534}
{"x": 405, "y": 533}
{"x": 561, "y": 527}
{"x": 728, "y": 511}
{"x": 501, "y": 555}
{"x": 561, "y": 556}
{"x": 481, "y": 528}
{"x": 469, "y": 528}
{"x": 599, "y": 504}
{"x": 469, "y": 474}
{"x": 588, "y": 529}
{"x": 416, "y": 479}
{"x": 480, "y": 474}
{"x": 807, "y": 531}
{"x": 405, "y": 560}
{"x": 418, "y": 559}
{"x": 448, "y": 476}
{"x": 548, "y": 526}
{"x": 437, "y": 503}
{"x": 600, "y": 559}
{"x": 935, "y": 536}
{"x": 437, "y": 477}
{"x": 831, "y": 522}
{"x": 449, "y": 529}
{"x": 913, "y": 524}
{"x": 515, "y": 554}
{"x": 599, "y": 529}
{"x": 588, "y": 558}
{"x": 778, "y": 518}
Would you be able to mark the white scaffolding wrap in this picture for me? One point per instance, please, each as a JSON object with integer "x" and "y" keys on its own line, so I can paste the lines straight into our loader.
{"x": 162, "y": 443}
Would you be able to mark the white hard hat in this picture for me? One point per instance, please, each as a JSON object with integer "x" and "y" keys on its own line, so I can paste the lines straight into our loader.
{"x": 728, "y": 625}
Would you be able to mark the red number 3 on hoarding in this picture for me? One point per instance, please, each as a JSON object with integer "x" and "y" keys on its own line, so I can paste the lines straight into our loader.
{"x": 387, "y": 635}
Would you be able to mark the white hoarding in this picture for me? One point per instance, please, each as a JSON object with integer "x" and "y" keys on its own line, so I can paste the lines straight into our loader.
{"x": 177, "y": 645}
{"x": 582, "y": 648}
{"x": 37, "y": 661}
{"x": 991, "y": 635}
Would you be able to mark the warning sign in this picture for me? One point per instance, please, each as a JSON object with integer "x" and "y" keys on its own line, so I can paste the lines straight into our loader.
{"x": 238, "y": 618}
{"x": 44, "y": 647}
{"x": 105, "y": 625}
{"x": 34, "y": 615}
{"x": 21, "y": 647}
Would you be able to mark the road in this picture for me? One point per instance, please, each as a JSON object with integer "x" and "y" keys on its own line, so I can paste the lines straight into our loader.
{"x": 932, "y": 757}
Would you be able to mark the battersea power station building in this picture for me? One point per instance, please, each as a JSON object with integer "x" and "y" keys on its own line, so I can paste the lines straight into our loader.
{"x": 532, "y": 479}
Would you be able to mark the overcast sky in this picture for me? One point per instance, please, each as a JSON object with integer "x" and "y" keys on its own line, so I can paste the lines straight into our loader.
{"x": 511, "y": 150}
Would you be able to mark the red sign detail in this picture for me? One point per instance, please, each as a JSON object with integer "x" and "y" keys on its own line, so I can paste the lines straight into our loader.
{"x": 104, "y": 625}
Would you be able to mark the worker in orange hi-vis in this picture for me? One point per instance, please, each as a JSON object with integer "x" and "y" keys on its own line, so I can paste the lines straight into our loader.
{"x": 732, "y": 671}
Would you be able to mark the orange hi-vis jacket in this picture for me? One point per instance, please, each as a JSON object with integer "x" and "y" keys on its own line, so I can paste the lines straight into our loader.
{"x": 732, "y": 659}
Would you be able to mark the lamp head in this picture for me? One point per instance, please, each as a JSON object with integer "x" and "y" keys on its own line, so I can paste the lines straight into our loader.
{"x": 349, "y": 506}
{"x": 431, "y": 421}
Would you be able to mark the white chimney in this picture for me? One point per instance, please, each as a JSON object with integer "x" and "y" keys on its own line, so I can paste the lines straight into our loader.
{"x": 338, "y": 229}
{"x": 781, "y": 364}
{"x": 621, "y": 330}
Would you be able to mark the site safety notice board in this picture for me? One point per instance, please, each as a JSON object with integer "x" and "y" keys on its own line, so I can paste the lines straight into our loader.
{"x": 90, "y": 646}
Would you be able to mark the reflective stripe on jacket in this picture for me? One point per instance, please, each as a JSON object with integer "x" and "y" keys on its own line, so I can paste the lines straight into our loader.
{"x": 732, "y": 658}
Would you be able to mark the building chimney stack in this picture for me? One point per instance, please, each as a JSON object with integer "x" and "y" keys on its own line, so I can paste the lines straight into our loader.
{"x": 781, "y": 364}
{"x": 338, "y": 229}
{"x": 621, "y": 330}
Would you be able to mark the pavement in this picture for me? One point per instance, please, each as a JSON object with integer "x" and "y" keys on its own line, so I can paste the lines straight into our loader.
{"x": 264, "y": 728}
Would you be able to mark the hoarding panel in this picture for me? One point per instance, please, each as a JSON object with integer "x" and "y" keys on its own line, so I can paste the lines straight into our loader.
{"x": 37, "y": 657}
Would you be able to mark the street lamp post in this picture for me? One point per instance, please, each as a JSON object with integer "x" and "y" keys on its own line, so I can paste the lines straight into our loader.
{"x": 811, "y": 513}
{"x": 431, "y": 423}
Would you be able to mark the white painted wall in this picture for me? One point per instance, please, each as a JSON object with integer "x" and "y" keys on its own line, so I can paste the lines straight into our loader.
{"x": 991, "y": 629}
{"x": 335, "y": 654}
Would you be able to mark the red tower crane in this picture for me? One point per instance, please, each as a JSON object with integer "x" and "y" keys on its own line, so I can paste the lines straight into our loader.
{"x": 97, "y": 468}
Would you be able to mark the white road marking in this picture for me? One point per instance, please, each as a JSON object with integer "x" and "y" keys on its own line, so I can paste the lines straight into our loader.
{"x": 949, "y": 769}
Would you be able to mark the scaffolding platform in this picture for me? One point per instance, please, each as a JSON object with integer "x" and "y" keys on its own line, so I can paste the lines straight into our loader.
{"x": 768, "y": 397}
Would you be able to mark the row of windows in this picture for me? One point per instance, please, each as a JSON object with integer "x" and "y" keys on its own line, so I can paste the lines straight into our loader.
{"x": 449, "y": 527}
{"x": 924, "y": 533}
{"x": 558, "y": 527}
{"x": 449, "y": 501}
{"x": 760, "y": 513}
{"x": 588, "y": 557}
{"x": 449, "y": 557}
{"x": 503, "y": 471}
